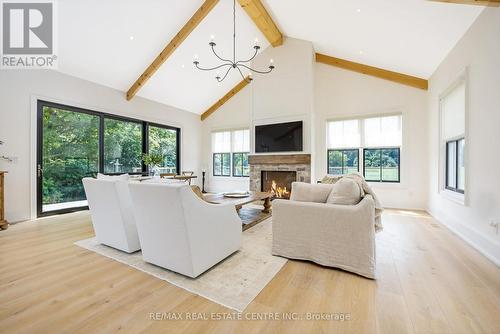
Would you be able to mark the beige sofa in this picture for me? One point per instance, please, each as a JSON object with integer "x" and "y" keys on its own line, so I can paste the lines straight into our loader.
{"x": 341, "y": 236}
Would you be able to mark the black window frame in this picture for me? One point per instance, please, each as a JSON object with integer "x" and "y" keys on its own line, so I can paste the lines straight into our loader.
{"x": 242, "y": 167}
{"x": 456, "y": 189}
{"x": 145, "y": 145}
{"x": 222, "y": 154}
{"x": 381, "y": 165}
{"x": 342, "y": 151}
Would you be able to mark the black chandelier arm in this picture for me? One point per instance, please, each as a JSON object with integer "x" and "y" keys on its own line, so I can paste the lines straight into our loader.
{"x": 271, "y": 67}
{"x": 212, "y": 45}
{"x": 250, "y": 59}
{"x": 212, "y": 68}
{"x": 225, "y": 75}
{"x": 241, "y": 73}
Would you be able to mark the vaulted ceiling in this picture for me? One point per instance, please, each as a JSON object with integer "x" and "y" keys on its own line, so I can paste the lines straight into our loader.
{"x": 112, "y": 42}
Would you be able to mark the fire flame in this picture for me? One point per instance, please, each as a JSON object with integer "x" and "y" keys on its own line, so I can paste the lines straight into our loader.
{"x": 279, "y": 192}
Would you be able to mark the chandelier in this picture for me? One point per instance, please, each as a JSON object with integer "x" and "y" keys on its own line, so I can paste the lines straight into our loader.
{"x": 233, "y": 64}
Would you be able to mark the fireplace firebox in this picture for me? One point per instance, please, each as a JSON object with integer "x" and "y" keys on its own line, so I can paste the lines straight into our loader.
{"x": 279, "y": 183}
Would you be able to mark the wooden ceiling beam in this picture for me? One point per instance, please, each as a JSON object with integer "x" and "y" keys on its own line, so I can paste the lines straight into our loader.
{"x": 242, "y": 84}
{"x": 490, "y": 3}
{"x": 373, "y": 71}
{"x": 258, "y": 13}
{"x": 193, "y": 22}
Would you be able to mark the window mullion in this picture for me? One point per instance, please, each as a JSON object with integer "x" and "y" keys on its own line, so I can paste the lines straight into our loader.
{"x": 362, "y": 142}
{"x": 456, "y": 164}
{"x": 343, "y": 162}
{"x": 145, "y": 144}
{"x": 381, "y": 178}
{"x": 101, "y": 144}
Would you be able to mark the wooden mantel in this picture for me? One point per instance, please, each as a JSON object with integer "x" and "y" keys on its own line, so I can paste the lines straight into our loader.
{"x": 279, "y": 159}
{"x": 3, "y": 223}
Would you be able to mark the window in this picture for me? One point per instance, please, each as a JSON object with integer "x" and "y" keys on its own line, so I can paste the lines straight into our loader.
{"x": 379, "y": 138}
{"x": 122, "y": 146}
{"x": 344, "y": 134}
{"x": 240, "y": 149}
{"x": 222, "y": 164}
{"x": 453, "y": 136}
{"x": 381, "y": 165}
{"x": 240, "y": 164}
{"x": 455, "y": 169}
{"x": 231, "y": 148}
{"x": 343, "y": 161}
{"x": 164, "y": 140}
{"x": 221, "y": 148}
{"x": 74, "y": 143}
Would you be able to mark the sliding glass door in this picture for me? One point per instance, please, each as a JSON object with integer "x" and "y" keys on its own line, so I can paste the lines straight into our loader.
{"x": 122, "y": 146}
{"x": 164, "y": 140}
{"x": 74, "y": 143}
{"x": 68, "y": 150}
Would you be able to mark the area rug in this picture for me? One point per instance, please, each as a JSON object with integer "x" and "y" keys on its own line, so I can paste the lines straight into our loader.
{"x": 233, "y": 283}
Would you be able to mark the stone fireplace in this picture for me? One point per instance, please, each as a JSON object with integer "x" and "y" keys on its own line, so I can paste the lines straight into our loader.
{"x": 279, "y": 183}
{"x": 282, "y": 169}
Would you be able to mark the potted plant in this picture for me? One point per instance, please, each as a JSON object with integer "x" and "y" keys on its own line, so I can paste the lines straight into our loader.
{"x": 153, "y": 161}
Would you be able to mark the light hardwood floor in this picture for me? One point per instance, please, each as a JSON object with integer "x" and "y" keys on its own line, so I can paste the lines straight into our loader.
{"x": 429, "y": 281}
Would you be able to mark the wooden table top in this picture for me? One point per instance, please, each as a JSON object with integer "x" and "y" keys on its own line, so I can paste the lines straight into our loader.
{"x": 254, "y": 196}
{"x": 181, "y": 177}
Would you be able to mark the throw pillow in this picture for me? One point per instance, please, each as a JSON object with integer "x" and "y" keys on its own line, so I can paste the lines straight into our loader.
{"x": 306, "y": 192}
{"x": 329, "y": 179}
{"x": 345, "y": 191}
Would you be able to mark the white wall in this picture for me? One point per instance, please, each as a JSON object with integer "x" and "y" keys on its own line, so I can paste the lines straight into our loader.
{"x": 341, "y": 93}
{"x": 479, "y": 52}
{"x": 234, "y": 114}
{"x": 18, "y": 90}
{"x": 287, "y": 94}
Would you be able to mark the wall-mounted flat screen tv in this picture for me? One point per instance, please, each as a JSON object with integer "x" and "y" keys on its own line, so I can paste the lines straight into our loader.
{"x": 282, "y": 137}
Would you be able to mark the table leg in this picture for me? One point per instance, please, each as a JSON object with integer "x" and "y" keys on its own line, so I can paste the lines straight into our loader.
{"x": 4, "y": 225}
{"x": 267, "y": 205}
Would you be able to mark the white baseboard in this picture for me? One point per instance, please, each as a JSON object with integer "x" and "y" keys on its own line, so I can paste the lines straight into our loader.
{"x": 486, "y": 246}
{"x": 16, "y": 217}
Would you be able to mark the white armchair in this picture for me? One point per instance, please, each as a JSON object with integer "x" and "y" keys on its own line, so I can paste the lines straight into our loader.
{"x": 181, "y": 232}
{"x": 111, "y": 211}
{"x": 341, "y": 236}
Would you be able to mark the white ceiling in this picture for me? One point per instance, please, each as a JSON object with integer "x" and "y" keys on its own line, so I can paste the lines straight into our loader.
{"x": 409, "y": 36}
{"x": 95, "y": 44}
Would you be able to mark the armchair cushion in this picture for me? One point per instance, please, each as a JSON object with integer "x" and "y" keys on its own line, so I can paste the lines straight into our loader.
{"x": 121, "y": 177}
{"x": 345, "y": 191}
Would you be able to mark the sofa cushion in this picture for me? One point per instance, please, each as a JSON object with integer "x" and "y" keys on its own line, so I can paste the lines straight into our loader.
{"x": 306, "y": 192}
{"x": 345, "y": 191}
{"x": 162, "y": 180}
{"x": 121, "y": 177}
